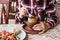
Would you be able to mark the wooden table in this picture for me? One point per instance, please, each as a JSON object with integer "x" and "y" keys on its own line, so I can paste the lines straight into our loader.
{"x": 52, "y": 34}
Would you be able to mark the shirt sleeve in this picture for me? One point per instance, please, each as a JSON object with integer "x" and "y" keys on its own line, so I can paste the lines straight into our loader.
{"x": 53, "y": 21}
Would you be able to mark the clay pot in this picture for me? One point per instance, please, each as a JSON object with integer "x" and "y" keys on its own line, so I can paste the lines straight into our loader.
{"x": 32, "y": 20}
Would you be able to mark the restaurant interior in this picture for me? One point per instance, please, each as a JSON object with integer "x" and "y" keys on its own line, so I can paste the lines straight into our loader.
{"x": 19, "y": 31}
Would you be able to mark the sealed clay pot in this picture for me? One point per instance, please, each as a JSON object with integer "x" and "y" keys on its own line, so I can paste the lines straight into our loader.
{"x": 32, "y": 20}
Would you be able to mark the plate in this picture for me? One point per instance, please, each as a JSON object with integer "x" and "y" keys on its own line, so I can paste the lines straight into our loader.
{"x": 9, "y": 28}
{"x": 22, "y": 35}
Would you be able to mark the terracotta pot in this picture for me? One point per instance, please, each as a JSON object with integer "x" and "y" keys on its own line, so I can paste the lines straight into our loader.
{"x": 32, "y": 20}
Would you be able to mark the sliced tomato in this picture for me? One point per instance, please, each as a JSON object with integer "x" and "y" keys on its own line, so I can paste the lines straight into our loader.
{"x": 4, "y": 32}
{"x": 12, "y": 35}
{"x": 5, "y": 36}
{"x": 7, "y": 33}
{"x": 13, "y": 38}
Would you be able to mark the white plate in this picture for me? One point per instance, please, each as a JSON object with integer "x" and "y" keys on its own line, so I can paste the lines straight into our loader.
{"x": 22, "y": 35}
{"x": 9, "y": 28}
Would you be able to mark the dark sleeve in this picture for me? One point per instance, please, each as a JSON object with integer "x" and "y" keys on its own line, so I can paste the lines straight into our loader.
{"x": 53, "y": 21}
{"x": 18, "y": 19}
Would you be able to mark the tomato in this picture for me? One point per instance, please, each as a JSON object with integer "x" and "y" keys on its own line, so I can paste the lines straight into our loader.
{"x": 4, "y": 32}
{"x": 5, "y": 36}
{"x": 12, "y": 35}
{"x": 7, "y": 33}
{"x": 13, "y": 38}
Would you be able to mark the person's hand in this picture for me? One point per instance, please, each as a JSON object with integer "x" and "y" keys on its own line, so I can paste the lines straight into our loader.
{"x": 23, "y": 12}
{"x": 47, "y": 26}
{"x": 39, "y": 27}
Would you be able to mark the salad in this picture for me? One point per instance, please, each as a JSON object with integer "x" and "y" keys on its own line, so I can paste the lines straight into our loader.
{"x": 8, "y": 36}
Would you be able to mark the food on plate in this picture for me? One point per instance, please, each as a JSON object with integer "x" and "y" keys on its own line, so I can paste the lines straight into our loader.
{"x": 17, "y": 31}
{"x": 8, "y": 36}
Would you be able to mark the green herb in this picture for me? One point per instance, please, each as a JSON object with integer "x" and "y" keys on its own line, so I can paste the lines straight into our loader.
{"x": 17, "y": 38}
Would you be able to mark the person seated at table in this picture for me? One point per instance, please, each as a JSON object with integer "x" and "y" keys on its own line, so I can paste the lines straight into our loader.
{"x": 45, "y": 13}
